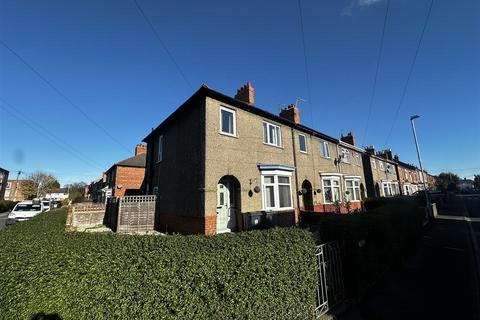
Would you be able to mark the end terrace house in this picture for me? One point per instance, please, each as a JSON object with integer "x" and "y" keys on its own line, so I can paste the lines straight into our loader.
{"x": 217, "y": 159}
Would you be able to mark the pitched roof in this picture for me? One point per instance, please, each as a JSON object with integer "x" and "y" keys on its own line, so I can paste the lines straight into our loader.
{"x": 205, "y": 91}
{"x": 135, "y": 161}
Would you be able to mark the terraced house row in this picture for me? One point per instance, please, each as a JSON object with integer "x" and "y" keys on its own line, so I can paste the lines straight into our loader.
{"x": 218, "y": 163}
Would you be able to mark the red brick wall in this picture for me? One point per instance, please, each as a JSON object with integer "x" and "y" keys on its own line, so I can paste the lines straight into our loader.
{"x": 323, "y": 208}
{"x": 187, "y": 225}
{"x": 129, "y": 178}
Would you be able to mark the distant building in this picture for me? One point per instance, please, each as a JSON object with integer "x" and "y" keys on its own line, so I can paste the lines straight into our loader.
{"x": 126, "y": 177}
{"x": 3, "y": 182}
{"x": 380, "y": 174}
{"x": 13, "y": 191}
{"x": 58, "y": 194}
{"x": 466, "y": 185}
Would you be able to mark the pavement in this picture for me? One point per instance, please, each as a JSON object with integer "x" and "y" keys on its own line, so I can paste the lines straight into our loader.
{"x": 3, "y": 219}
{"x": 441, "y": 280}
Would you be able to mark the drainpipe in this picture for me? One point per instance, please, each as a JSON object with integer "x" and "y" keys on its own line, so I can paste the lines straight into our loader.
{"x": 296, "y": 172}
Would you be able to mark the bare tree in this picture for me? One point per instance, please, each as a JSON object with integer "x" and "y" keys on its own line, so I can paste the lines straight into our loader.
{"x": 39, "y": 184}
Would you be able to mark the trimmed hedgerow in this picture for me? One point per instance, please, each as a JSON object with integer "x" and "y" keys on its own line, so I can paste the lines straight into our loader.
{"x": 251, "y": 275}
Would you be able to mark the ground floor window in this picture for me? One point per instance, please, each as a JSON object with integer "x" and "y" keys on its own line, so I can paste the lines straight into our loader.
{"x": 331, "y": 189}
{"x": 390, "y": 189}
{"x": 353, "y": 189}
{"x": 277, "y": 191}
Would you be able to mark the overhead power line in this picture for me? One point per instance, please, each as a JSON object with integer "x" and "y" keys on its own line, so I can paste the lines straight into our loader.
{"x": 40, "y": 132}
{"x": 412, "y": 66}
{"x": 60, "y": 93}
{"x": 164, "y": 46}
{"x": 51, "y": 134}
{"x": 379, "y": 58}
{"x": 307, "y": 76}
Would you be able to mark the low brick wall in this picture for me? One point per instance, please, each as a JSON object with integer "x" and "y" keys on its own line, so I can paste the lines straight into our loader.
{"x": 82, "y": 216}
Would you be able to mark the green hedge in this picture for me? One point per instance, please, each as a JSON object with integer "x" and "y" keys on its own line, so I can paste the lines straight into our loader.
{"x": 372, "y": 241}
{"x": 251, "y": 275}
{"x": 7, "y": 205}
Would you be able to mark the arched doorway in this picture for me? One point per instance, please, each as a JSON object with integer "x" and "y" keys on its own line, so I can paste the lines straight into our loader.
{"x": 377, "y": 190}
{"x": 307, "y": 196}
{"x": 228, "y": 204}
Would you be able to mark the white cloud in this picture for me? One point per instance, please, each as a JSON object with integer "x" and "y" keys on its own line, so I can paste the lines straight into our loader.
{"x": 348, "y": 10}
{"x": 367, "y": 3}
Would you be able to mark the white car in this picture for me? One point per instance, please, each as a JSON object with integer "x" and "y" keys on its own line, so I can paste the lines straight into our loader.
{"x": 25, "y": 210}
{"x": 46, "y": 205}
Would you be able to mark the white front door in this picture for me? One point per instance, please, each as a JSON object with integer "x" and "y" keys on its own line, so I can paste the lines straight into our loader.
{"x": 225, "y": 208}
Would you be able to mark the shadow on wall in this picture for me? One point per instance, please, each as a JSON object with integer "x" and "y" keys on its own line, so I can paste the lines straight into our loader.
{"x": 44, "y": 316}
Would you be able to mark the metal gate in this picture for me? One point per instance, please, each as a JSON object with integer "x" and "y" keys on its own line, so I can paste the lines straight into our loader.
{"x": 330, "y": 289}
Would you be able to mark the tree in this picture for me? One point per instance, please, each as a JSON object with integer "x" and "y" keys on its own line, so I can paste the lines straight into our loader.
{"x": 447, "y": 181}
{"x": 77, "y": 192}
{"x": 476, "y": 181}
{"x": 39, "y": 184}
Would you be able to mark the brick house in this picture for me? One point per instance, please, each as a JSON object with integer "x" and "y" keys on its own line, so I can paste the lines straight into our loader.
{"x": 3, "y": 182}
{"x": 126, "y": 177}
{"x": 216, "y": 157}
{"x": 13, "y": 191}
{"x": 409, "y": 177}
{"x": 380, "y": 174}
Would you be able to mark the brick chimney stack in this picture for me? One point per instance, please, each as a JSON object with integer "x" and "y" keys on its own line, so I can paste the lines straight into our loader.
{"x": 140, "y": 149}
{"x": 291, "y": 113}
{"x": 396, "y": 157}
{"x": 349, "y": 138}
{"x": 386, "y": 154}
{"x": 246, "y": 93}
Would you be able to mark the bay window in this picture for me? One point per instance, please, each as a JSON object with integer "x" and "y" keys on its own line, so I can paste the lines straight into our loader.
{"x": 331, "y": 189}
{"x": 353, "y": 188}
{"x": 277, "y": 191}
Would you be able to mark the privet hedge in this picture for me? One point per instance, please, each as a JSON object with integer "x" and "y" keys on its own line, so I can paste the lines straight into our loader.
{"x": 251, "y": 275}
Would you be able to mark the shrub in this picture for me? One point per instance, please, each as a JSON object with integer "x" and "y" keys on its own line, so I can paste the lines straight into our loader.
{"x": 250, "y": 275}
{"x": 7, "y": 205}
{"x": 372, "y": 241}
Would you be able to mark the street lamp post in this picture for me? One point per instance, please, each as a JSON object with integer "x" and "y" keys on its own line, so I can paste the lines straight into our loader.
{"x": 427, "y": 198}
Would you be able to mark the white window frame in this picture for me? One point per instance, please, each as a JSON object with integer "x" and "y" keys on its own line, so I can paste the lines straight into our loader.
{"x": 331, "y": 178}
{"x": 373, "y": 163}
{"x": 347, "y": 158}
{"x": 299, "y": 144}
{"x": 276, "y": 189}
{"x": 278, "y": 134}
{"x": 354, "y": 187}
{"x": 160, "y": 145}
{"x": 392, "y": 187}
{"x": 234, "y": 122}
{"x": 325, "y": 149}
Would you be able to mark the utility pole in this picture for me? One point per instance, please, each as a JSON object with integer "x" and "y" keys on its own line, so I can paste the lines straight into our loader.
{"x": 16, "y": 185}
{"x": 425, "y": 188}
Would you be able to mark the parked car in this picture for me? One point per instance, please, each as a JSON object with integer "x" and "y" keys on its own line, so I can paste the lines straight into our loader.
{"x": 46, "y": 205}
{"x": 24, "y": 210}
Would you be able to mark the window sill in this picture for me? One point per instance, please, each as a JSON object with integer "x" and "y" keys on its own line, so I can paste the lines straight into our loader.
{"x": 328, "y": 158}
{"x": 273, "y": 145}
{"x": 304, "y": 152}
{"x": 277, "y": 209}
{"x": 228, "y": 134}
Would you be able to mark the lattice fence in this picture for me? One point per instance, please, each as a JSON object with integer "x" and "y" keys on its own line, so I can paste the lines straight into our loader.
{"x": 132, "y": 214}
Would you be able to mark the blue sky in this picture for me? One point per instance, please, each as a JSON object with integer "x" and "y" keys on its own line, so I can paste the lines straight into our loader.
{"x": 103, "y": 56}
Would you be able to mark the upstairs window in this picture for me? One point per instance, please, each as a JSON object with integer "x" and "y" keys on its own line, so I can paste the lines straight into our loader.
{"x": 357, "y": 159}
{"x": 380, "y": 165}
{"x": 324, "y": 149}
{"x": 227, "y": 122}
{"x": 345, "y": 156}
{"x": 160, "y": 148}
{"x": 272, "y": 134}
{"x": 302, "y": 142}
{"x": 374, "y": 163}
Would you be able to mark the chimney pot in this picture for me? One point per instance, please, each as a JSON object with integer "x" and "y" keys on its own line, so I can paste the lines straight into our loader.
{"x": 349, "y": 138}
